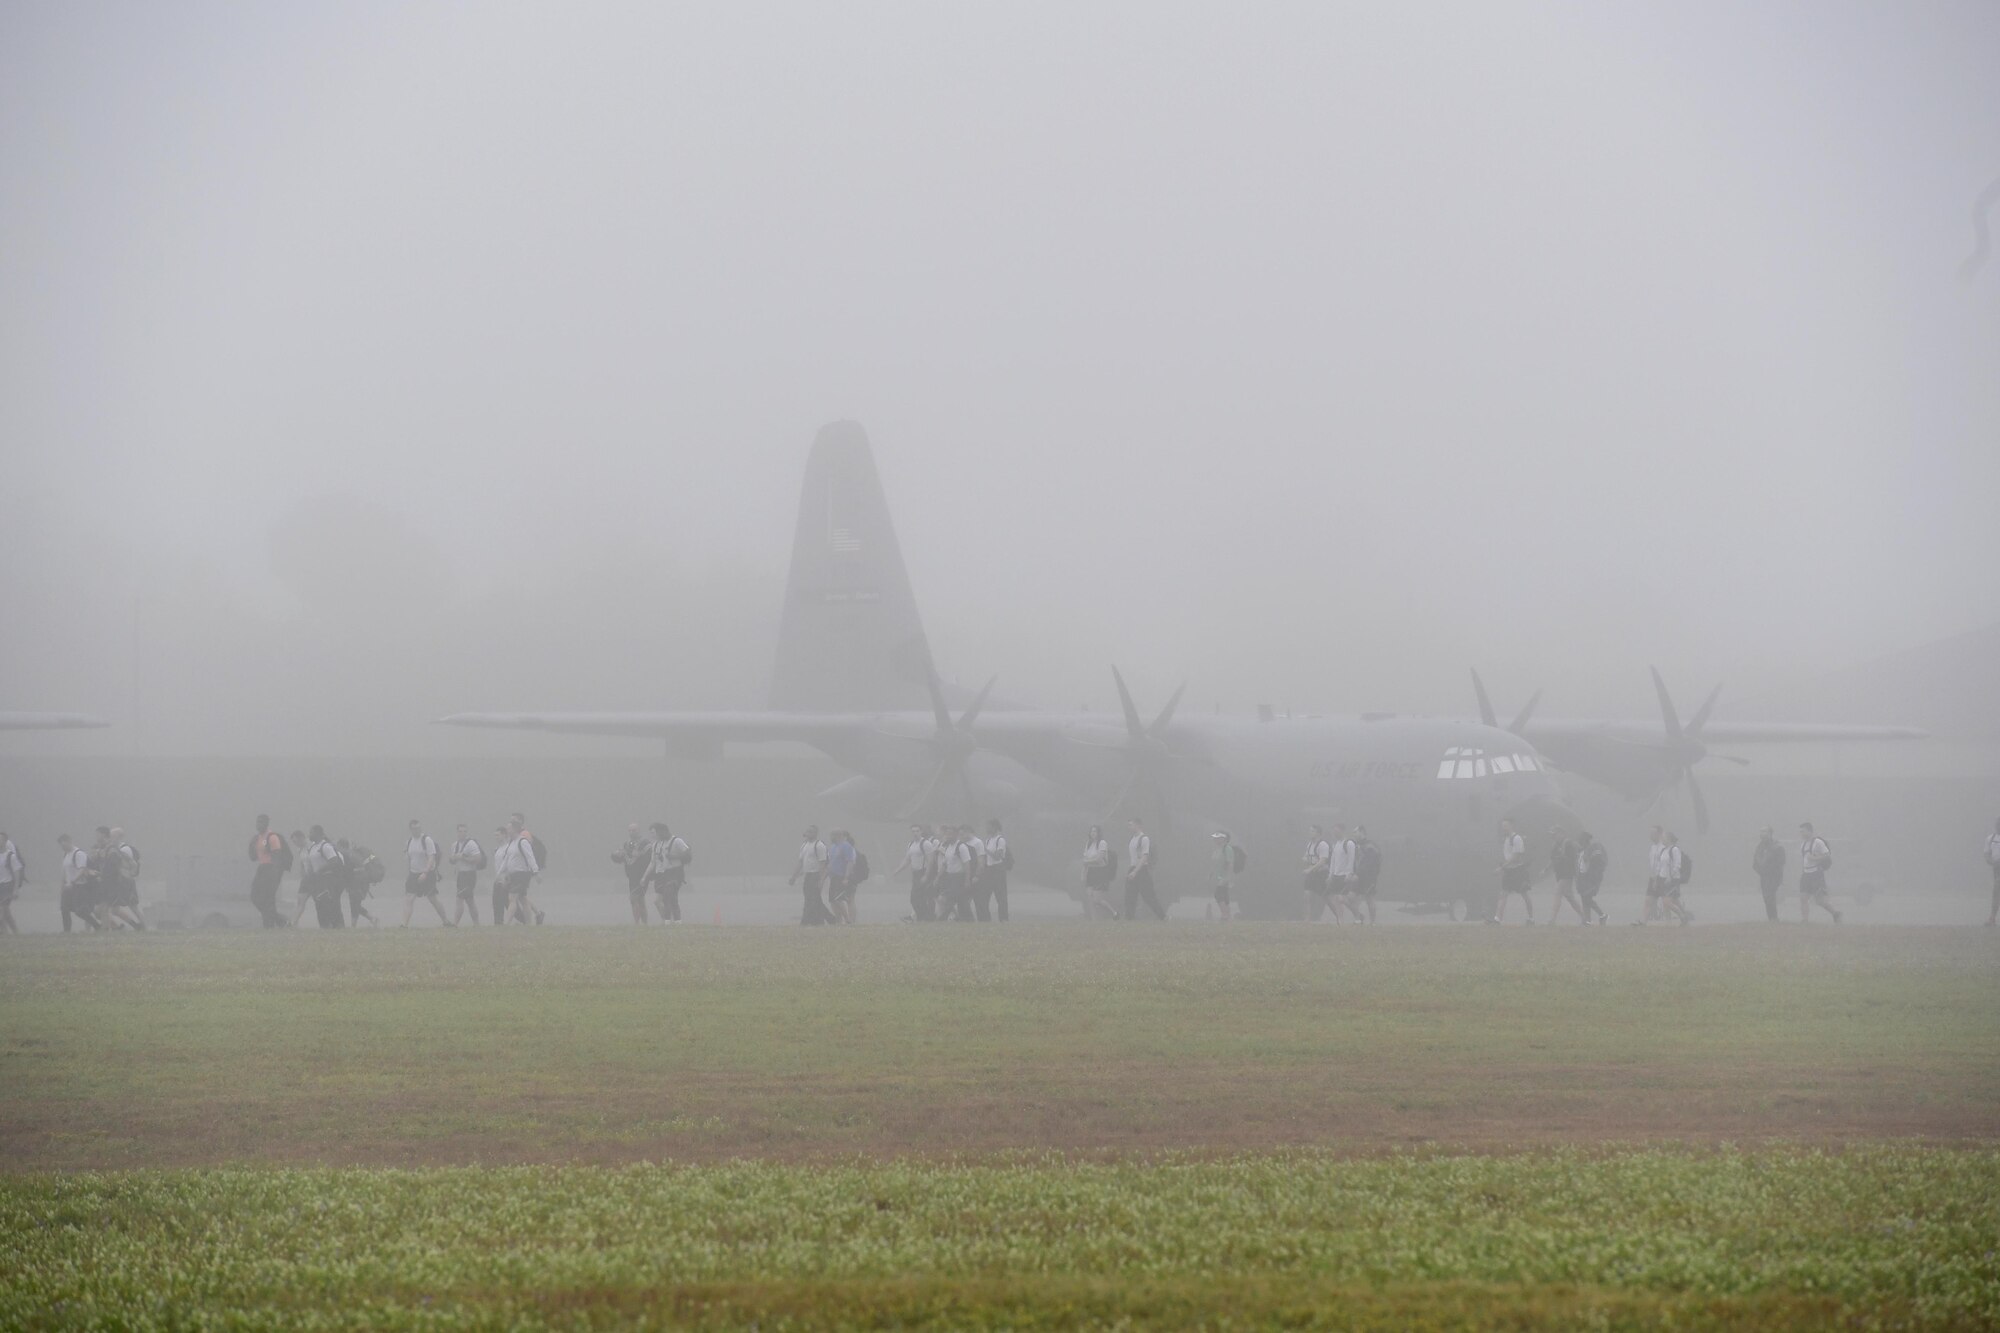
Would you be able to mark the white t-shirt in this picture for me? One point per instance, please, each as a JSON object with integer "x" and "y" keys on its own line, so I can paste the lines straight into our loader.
{"x": 1656, "y": 861}
{"x": 75, "y": 866}
{"x": 1993, "y": 850}
{"x": 1317, "y": 853}
{"x": 1813, "y": 854}
{"x": 517, "y": 857}
{"x": 996, "y": 850}
{"x": 1513, "y": 851}
{"x": 1139, "y": 849}
{"x": 465, "y": 854}
{"x": 914, "y": 856}
{"x": 669, "y": 855}
{"x": 1670, "y": 864}
{"x": 321, "y": 855}
{"x": 1341, "y": 866}
{"x": 421, "y": 850}
{"x": 977, "y": 846}
{"x": 11, "y": 864}
{"x": 812, "y": 856}
{"x": 1096, "y": 853}
{"x": 957, "y": 857}
{"x": 933, "y": 853}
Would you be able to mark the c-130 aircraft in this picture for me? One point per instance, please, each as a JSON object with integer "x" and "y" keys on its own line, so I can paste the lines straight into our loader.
{"x": 854, "y": 679}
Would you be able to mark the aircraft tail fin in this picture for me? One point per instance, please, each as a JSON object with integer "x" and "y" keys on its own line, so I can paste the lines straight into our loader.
{"x": 850, "y": 639}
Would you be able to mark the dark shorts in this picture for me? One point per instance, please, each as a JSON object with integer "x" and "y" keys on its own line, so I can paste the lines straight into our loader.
{"x": 420, "y": 886}
{"x": 121, "y": 892}
{"x": 1364, "y": 890}
{"x": 1655, "y": 887}
{"x": 517, "y": 883}
{"x": 1316, "y": 882}
{"x": 1099, "y": 877}
{"x": 636, "y": 888}
{"x": 1813, "y": 883}
{"x": 1513, "y": 879}
{"x": 468, "y": 883}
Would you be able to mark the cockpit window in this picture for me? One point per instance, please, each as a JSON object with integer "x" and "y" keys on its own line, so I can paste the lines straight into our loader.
{"x": 1469, "y": 761}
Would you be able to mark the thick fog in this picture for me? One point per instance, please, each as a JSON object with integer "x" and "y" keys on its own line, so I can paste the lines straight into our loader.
{"x": 360, "y": 364}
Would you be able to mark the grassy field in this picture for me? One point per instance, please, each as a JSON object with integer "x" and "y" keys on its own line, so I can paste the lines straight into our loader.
{"x": 1879, "y": 1237}
{"x": 1044, "y": 1126}
{"x": 433, "y": 1047}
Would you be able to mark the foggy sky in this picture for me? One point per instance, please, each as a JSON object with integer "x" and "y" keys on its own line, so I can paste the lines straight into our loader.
{"x": 364, "y": 363}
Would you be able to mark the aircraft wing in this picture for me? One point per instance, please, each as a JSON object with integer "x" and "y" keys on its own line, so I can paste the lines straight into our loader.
{"x": 1558, "y": 730}
{"x": 694, "y": 733}
{"x": 49, "y": 721}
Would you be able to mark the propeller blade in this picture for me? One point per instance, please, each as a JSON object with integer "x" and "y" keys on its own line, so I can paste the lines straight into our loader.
{"x": 970, "y": 806}
{"x": 916, "y": 807}
{"x": 978, "y": 701}
{"x": 1167, "y": 713}
{"x": 1133, "y": 725}
{"x": 1667, "y": 713}
{"x": 1486, "y": 713}
{"x": 938, "y": 710}
{"x": 1700, "y": 806}
{"x": 1700, "y": 718}
{"x": 1731, "y": 758}
{"x": 1118, "y": 801}
{"x": 1527, "y": 711}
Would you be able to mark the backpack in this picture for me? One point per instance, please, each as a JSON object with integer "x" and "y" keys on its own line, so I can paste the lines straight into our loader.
{"x": 861, "y": 870}
{"x": 1237, "y": 860}
{"x": 373, "y": 870}
{"x": 1367, "y": 862}
{"x": 128, "y": 847}
{"x": 1687, "y": 868}
{"x": 1595, "y": 860}
{"x": 282, "y": 858}
{"x": 1007, "y": 857}
{"x": 541, "y": 851}
{"x": 480, "y": 863}
{"x": 1111, "y": 863}
{"x": 337, "y": 870}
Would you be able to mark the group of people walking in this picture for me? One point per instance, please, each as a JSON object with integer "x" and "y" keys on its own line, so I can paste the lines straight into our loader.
{"x": 955, "y": 873}
{"x": 336, "y": 878}
{"x": 100, "y": 883}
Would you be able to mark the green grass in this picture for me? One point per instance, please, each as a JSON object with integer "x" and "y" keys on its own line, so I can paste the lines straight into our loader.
{"x": 434, "y": 1047}
{"x": 1779, "y": 1238}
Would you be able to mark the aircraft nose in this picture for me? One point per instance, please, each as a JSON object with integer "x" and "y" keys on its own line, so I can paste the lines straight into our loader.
{"x": 1535, "y": 816}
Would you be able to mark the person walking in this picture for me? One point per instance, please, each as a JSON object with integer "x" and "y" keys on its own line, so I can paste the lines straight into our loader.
{"x": 1099, "y": 866}
{"x": 1139, "y": 873}
{"x": 422, "y": 880}
{"x": 1815, "y": 859}
{"x": 667, "y": 871}
{"x": 841, "y": 859}
{"x": 1656, "y": 874}
{"x": 636, "y": 855}
{"x": 1678, "y": 867}
{"x": 1591, "y": 860}
{"x": 1340, "y": 876}
{"x": 499, "y": 880}
{"x": 1222, "y": 854}
{"x": 468, "y": 858}
{"x": 996, "y": 861}
{"x": 1513, "y": 873}
{"x": 272, "y": 858}
{"x": 75, "y": 900}
{"x": 1562, "y": 865}
{"x": 921, "y": 906}
{"x": 517, "y": 866}
{"x": 1367, "y": 871}
{"x": 1768, "y": 863}
{"x": 1317, "y": 861}
{"x": 324, "y": 879}
{"x": 810, "y": 872}
{"x": 13, "y": 874}
{"x": 1993, "y": 860}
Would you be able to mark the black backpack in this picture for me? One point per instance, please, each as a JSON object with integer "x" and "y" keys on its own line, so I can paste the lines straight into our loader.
{"x": 1007, "y": 857}
{"x": 1110, "y": 863}
{"x": 1595, "y": 860}
{"x": 861, "y": 870}
{"x": 1367, "y": 862}
{"x": 1687, "y": 868}
{"x": 541, "y": 851}
{"x": 1237, "y": 859}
